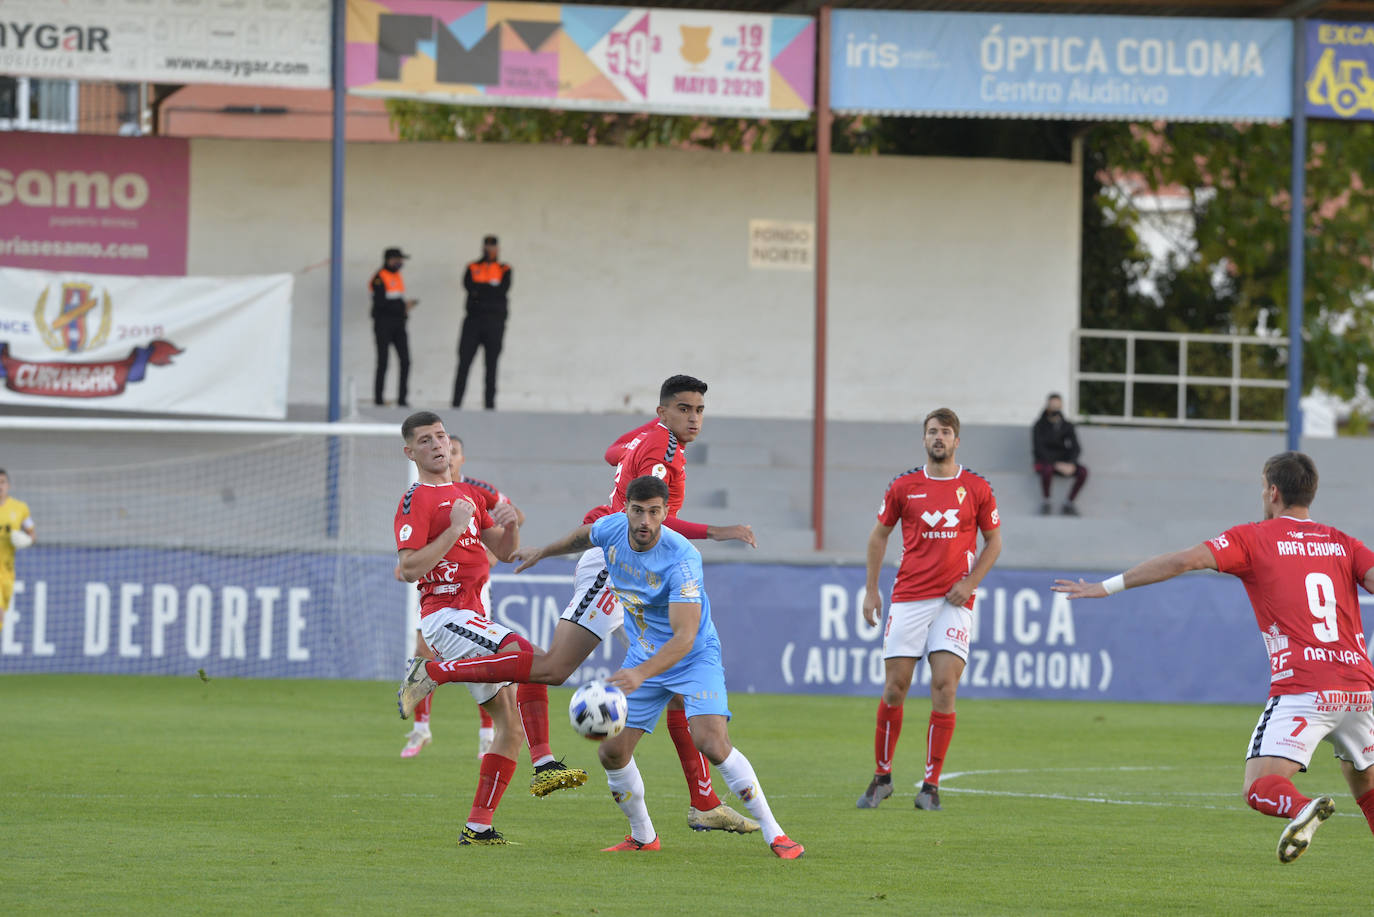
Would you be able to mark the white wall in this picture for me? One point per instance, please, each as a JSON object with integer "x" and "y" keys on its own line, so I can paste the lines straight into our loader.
{"x": 952, "y": 281}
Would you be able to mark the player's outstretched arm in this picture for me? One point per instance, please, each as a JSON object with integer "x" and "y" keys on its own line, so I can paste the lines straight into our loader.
{"x": 1155, "y": 570}
{"x": 740, "y": 532}
{"x": 877, "y": 547}
{"x": 684, "y": 618}
{"x": 579, "y": 539}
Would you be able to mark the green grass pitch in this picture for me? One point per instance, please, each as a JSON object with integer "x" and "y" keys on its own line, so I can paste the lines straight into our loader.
{"x": 173, "y": 795}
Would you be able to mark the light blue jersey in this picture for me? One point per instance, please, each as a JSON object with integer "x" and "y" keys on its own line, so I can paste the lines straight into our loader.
{"x": 646, "y": 582}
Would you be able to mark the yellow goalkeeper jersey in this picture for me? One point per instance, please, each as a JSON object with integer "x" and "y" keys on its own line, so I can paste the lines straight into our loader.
{"x": 13, "y": 514}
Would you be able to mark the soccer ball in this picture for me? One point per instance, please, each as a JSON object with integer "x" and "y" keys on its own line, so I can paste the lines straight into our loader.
{"x": 597, "y": 710}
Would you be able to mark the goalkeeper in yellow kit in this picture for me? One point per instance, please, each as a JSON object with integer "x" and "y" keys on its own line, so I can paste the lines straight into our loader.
{"x": 16, "y": 531}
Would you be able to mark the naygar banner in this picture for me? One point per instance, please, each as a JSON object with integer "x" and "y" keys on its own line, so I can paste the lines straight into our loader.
{"x": 1035, "y": 66}
{"x": 244, "y": 42}
{"x": 187, "y": 345}
{"x": 1340, "y": 70}
{"x": 592, "y": 57}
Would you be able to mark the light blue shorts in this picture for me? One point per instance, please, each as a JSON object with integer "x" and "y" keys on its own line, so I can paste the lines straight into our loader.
{"x": 700, "y": 681}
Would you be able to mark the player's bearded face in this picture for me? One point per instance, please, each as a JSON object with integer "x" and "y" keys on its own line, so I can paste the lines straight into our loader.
{"x": 646, "y": 519}
{"x": 940, "y": 442}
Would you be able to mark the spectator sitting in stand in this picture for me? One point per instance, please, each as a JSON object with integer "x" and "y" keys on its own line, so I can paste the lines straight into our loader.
{"x": 1055, "y": 446}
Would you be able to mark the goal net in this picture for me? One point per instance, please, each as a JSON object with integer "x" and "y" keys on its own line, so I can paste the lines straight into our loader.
{"x": 240, "y": 549}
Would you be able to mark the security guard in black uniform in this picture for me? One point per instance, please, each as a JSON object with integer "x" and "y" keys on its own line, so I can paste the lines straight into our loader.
{"x": 389, "y": 310}
{"x": 487, "y": 282}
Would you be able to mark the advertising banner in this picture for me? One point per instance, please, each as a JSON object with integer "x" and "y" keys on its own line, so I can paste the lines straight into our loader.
{"x": 176, "y": 612}
{"x": 593, "y": 57}
{"x": 784, "y": 629}
{"x": 185, "y": 345}
{"x": 116, "y": 205}
{"x": 243, "y": 43}
{"x": 1036, "y": 66}
{"x": 1340, "y": 70}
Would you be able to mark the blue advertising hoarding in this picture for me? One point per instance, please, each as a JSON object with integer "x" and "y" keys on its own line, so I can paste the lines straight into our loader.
{"x": 785, "y": 629}
{"x": 1036, "y": 66}
{"x": 1340, "y": 70}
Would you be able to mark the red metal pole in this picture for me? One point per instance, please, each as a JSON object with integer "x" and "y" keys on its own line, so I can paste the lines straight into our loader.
{"x": 823, "y": 120}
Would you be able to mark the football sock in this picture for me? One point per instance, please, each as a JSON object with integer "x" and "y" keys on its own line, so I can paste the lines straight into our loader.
{"x": 627, "y": 789}
{"x": 885, "y": 739}
{"x": 937, "y": 744}
{"x": 1274, "y": 794}
{"x": 422, "y": 714}
{"x": 533, "y": 704}
{"x": 739, "y": 776}
{"x": 695, "y": 767}
{"x": 495, "y": 774}
{"x": 486, "y": 721}
{"x": 1366, "y": 804}
{"x": 483, "y": 669}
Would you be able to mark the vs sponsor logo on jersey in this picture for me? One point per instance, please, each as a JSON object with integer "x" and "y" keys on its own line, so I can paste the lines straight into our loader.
{"x": 950, "y": 517}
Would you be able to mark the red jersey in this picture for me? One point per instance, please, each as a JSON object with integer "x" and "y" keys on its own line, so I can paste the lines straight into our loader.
{"x": 488, "y": 492}
{"x": 1301, "y": 578}
{"x": 652, "y": 449}
{"x": 941, "y": 519}
{"x": 456, "y": 581}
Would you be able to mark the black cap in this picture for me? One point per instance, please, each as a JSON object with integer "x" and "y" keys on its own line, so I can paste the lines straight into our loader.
{"x": 393, "y": 253}
{"x": 490, "y": 240}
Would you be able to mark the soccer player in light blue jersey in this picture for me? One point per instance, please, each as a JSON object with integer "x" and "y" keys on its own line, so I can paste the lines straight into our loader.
{"x": 656, "y": 574}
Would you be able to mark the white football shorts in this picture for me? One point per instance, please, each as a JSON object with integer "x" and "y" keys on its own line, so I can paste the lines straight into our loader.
{"x": 1292, "y": 725}
{"x": 456, "y": 634}
{"x": 920, "y": 628}
{"x": 593, "y": 605}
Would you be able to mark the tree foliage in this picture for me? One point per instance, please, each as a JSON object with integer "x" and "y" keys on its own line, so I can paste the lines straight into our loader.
{"x": 1237, "y": 178}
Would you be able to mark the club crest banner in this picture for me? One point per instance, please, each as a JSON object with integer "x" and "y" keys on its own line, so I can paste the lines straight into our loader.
{"x": 590, "y": 57}
{"x": 183, "y": 345}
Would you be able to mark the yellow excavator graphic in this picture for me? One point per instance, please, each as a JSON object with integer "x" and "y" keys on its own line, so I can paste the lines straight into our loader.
{"x": 1344, "y": 85}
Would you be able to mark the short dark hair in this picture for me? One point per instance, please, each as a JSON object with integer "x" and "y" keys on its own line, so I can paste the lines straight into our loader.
{"x": 646, "y": 487}
{"x": 4, "y": 472}
{"x": 1295, "y": 475}
{"x": 945, "y": 416}
{"x": 417, "y": 420}
{"x": 1053, "y": 395}
{"x": 676, "y": 385}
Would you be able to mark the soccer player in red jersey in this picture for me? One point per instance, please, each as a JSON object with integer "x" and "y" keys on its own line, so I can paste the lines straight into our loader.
{"x": 505, "y": 513}
{"x": 442, "y": 538}
{"x": 657, "y": 448}
{"x": 1300, "y": 576}
{"x": 942, "y": 506}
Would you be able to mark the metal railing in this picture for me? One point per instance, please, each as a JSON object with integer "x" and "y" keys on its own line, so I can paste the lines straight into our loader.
{"x": 1181, "y": 379}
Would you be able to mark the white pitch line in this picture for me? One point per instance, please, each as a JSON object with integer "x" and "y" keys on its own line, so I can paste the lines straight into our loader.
{"x": 1098, "y": 800}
